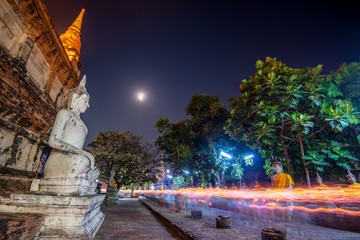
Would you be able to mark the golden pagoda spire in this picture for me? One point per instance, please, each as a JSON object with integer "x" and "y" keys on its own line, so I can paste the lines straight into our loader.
{"x": 71, "y": 39}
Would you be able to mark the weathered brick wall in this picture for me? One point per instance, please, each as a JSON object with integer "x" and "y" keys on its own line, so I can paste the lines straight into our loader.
{"x": 25, "y": 118}
{"x": 20, "y": 226}
{"x": 21, "y": 103}
{"x": 39, "y": 25}
{"x": 9, "y": 185}
{"x": 35, "y": 77}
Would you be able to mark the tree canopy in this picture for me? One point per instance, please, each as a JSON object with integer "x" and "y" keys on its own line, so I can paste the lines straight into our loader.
{"x": 195, "y": 143}
{"x": 134, "y": 159}
{"x": 291, "y": 112}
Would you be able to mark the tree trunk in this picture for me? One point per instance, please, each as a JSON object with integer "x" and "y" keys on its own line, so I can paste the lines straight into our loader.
{"x": 222, "y": 182}
{"x": 293, "y": 165}
{"x": 302, "y": 176}
{"x": 132, "y": 190}
{"x": 303, "y": 154}
{"x": 217, "y": 179}
{"x": 286, "y": 157}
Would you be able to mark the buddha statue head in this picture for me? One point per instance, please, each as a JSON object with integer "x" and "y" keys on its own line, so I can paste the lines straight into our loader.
{"x": 318, "y": 179}
{"x": 78, "y": 98}
{"x": 277, "y": 165}
{"x": 351, "y": 177}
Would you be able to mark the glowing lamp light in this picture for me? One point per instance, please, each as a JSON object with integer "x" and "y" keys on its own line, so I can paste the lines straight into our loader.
{"x": 249, "y": 157}
{"x": 225, "y": 155}
{"x": 187, "y": 172}
{"x": 169, "y": 176}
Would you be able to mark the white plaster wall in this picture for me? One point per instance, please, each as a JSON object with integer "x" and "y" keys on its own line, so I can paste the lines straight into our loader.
{"x": 25, "y": 151}
{"x": 12, "y": 35}
{"x": 54, "y": 92}
{"x": 11, "y": 27}
{"x": 38, "y": 68}
{"x": 6, "y": 138}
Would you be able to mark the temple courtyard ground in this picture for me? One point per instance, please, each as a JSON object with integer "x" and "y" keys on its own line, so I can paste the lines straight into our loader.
{"x": 132, "y": 220}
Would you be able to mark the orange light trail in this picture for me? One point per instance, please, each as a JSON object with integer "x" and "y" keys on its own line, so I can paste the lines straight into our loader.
{"x": 309, "y": 210}
{"x": 340, "y": 200}
{"x": 303, "y": 195}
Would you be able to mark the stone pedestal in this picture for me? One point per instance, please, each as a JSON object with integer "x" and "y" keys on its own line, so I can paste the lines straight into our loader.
{"x": 66, "y": 217}
{"x": 196, "y": 214}
{"x": 223, "y": 222}
{"x": 180, "y": 203}
{"x": 75, "y": 186}
{"x": 111, "y": 196}
{"x": 273, "y": 234}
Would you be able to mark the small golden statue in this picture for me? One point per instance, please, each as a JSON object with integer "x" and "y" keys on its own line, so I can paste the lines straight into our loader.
{"x": 281, "y": 179}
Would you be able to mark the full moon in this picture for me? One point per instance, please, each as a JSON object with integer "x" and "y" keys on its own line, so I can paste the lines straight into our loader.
{"x": 140, "y": 97}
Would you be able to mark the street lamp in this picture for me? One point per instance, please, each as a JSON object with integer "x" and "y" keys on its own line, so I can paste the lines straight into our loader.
{"x": 224, "y": 154}
{"x": 247, "y": 157}
{"x": 169, "y": 179}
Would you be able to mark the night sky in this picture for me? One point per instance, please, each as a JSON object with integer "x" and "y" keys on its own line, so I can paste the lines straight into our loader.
{"x": 172, "y": 50}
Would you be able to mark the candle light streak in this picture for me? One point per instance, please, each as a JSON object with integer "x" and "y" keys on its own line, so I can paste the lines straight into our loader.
{"x": 331, "y": 200}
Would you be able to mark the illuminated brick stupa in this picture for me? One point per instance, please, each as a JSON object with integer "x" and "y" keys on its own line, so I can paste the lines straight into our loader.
{"x": 71, "y": 39}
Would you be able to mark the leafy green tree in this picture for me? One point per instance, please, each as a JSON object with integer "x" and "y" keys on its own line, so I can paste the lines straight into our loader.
{"x": 196, "y": 142}
{"x": 280, "y": 105}
{"x": 134, "y": 159}
{"x": 181, "y": 181}
{"x": 343, "y": 88}
{"x": 257, "y": 116}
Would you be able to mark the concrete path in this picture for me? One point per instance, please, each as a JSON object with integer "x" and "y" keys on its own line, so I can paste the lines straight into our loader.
{"x": 131, "y": 220}
{"x": 245, "y": 227}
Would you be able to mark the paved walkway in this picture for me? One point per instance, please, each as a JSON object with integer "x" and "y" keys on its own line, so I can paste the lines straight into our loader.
{"x": 246, "y": 227}
{"x": 131, "y": 220}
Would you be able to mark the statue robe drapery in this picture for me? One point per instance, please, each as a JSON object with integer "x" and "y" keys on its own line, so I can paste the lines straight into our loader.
{"x": 283, "y": 180}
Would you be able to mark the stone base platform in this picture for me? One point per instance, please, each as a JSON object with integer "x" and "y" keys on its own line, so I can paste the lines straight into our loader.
{"x": 111, "y": 196}
{"x": 66, "y": 217}
{"x": 76, "y": 186}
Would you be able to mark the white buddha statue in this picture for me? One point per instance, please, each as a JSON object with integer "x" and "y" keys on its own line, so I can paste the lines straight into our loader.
{"x": 111, "y": 191}
{"x": 68, "y": 159}
{"x": 111, "y": 182}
